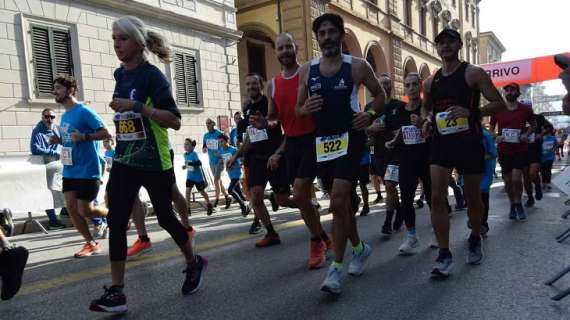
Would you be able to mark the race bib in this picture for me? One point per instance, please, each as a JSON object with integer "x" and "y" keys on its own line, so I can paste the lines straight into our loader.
{"x": 66, "y": 156}
{"x": 256, "y": 135}
{"x": 511, "y": 135}
{"x": 412, "y": 135}
{"x": 532, "y": 138}
{"x": 450, "y": 126}
{"x": 189, "y": 166}
{"x": 371, "y": 150}
{"x": 547, "y": 146}
{"x": 212, "y": 144}
{"x": 129, "y": 126}
{"x": 331, "y": 147}
{"x": 109, "y": 161}
{"x": 392, "y": 173}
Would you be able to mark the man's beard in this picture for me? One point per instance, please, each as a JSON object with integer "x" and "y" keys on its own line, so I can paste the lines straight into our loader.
{"x": 511, "y": 97}
{"x": 61, "y": 100}
{"x": 330, "y": 51}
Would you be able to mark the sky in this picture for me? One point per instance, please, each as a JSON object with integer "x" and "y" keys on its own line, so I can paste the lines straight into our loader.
{"x": 528, "y": 28}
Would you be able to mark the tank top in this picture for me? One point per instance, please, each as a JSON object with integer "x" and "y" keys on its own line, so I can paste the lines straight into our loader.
{"x": 447, "y": 91}
{"x": 340, "y": 96}
{"x": 284, "y": 94}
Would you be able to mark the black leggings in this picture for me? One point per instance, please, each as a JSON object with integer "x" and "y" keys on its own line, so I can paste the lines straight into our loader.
{"x": 485, "y": 198}
{"x": 410, "y": 172}
{"x": 235, "y": 190}
{"x": 546, "y": 171}
{"x": 122, "y": 189}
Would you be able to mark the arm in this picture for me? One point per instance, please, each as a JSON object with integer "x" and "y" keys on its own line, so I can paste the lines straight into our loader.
{"x": 100, "y": 134}
{"x": 370, "y": 81}
{"x": 37, "y": 148}
{"x": 164, "y": 118}
{"x": 478, "y": 78}
{"x": 306, "y": 105}
{"x": 271, "y": 110}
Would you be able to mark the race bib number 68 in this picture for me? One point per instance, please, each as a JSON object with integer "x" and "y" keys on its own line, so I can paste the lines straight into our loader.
{"x": 129, "y": 126}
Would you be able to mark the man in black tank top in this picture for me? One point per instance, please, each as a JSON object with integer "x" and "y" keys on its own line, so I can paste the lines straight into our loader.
{"x": 328, "y": 89}
{"x": 453, "y": 119}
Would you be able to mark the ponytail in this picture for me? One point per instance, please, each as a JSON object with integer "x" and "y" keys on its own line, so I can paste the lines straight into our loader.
{"x": 156, "y": 44}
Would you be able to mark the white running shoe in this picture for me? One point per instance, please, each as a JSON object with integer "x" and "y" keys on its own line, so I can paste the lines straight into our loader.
{"x": 410, "y": 243}
{"x": 358, "y": 262}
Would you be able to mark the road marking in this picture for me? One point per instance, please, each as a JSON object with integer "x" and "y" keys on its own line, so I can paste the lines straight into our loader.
{"x": 84, "y": 275}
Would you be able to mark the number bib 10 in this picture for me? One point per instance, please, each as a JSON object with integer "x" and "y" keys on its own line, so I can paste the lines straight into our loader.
{"x": 130, "y": 126}
{"x": 450, "y": 126}
{"x": 66, "y": 156}
{"x": 412, "y": 135}
{"x": 331, "y": 147}
{"x": 392, "y": 173}
{"x": 511, "y": 135}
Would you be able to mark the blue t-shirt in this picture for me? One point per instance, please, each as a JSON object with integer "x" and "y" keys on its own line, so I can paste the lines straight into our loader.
{"x": 212, "y": 144}
{"x": 194, "y": 171}
{"x": 548, "y": 147}
{"x": 234, "y": 137}
{"x": 490, "y": 164}
{"x": 365, "y": 157}
{"x": 226, "y": 154}
{"x": 84, "y": 155}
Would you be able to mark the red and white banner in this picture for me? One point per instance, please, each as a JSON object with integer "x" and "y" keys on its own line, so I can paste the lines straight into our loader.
{"x": 515, "y": 71}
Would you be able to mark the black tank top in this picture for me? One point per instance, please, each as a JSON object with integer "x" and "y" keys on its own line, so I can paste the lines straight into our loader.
{"x": 447, "y": 91}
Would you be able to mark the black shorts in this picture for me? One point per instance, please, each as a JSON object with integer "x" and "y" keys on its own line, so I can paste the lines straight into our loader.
{"x": 364, "y": 174}
{"x": 509, "y": 162}
{"x": 346, "y": 167}
{"x": 85, "y": 189}
{"x": 201, "y": 186}
{"x": 259, "y": 175}
{"x": 535, "y": 152}
{"x": 300, "y": 157}
{"x": 381, "y": 162}
{"x": 465, "y": 153}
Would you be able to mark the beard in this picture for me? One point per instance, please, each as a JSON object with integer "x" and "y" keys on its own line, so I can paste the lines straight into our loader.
{"x": 512, "y": 97}
{"x": 60, "y": 99}
{"x": 287, "y": 59}
{"x": 330, "y": 48}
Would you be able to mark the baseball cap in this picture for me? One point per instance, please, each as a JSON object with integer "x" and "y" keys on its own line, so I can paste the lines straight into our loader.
{"x": 448, "y": 32}
{"x": 513, "y": 85}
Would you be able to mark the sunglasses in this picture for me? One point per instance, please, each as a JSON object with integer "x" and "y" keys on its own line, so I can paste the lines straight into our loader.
{"x": 49, "y": 117}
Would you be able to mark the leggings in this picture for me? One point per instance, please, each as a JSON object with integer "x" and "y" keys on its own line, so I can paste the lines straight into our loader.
{"x": 122, "y": 189}
{"x": 235, "y": 190}
{"x": 546, "y": 171}
{"x": 485, "y": 217}
{"x": 410, "y": 171}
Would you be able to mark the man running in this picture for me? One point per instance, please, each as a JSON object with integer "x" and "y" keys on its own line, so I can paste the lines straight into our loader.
{"x": 451, "y": 108}
{"x": 234, "y": 131}
{"x": 80, "y": 129}
{"x": 210, "y": 145}
{"x": 512, "y": 138}
{"x": 532, "y": 172}
{"x": 328, "y": 89}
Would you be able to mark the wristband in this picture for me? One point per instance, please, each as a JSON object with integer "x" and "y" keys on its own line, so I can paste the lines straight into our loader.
{"x": 372, "y": 113}
{"x": 137, "y": 107}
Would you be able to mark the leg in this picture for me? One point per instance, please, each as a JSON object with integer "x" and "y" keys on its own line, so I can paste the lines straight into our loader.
{"x": 408, "y": 186}
{"x": 302, "y": 198}
{"x": 474, "y": 203}
{"x": 516, "y": 186}
{"x": 344, "y": 227}
{"x": 180, "y": 205}
{"x": 235, "y": 192}
{"x": 78, "y": 220}
{"x": 137, "y": 213}
{"x": 439, "y": 209}
{"x": 259, "y": 209}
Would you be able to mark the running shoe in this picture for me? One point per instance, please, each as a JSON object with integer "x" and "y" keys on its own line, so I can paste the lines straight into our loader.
{"x": 209, "y": 209}
{"x": 317, "y": 256}
{"x": 139, "y": 248}
{"x": 443, "y": 265}
{"x": 100, "y": 230}
{"x": 529, "y": 203}
{"x": 378, "y": 198}
{"x": 268, "y": 240}
{"x": 420, "y": 203}
{"x": 216, "y": 203}
{"x": 12, "y": 262}
{"x": 228, "y": 202}
{"x": 538, "y": 192}
{"x": 387, "y": 230}
{"x": 332, "y": 281}
{"x": 194, "y": 275}
{"x": 245, "y": 210}
{"x": 113, "y": 301}
{"x": 358, "y": 262}
{"x": 475, "y": 254}
{"x": 521, "y": 215}
{"x": 513, "y": 213}
{"x": 365, "y": 210}
{"x": 55, "y": 225}
{"x": 410, "y": 243}
{"x": 255, "y": 228}
{"x": 274, "y": 205}
{"x": 88, "y": 249}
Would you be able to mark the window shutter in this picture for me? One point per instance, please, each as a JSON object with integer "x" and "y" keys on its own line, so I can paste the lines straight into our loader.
{"x": 180, "y": 79}
{"x": 192, "y": 79}
{"x": 62, "y": 53}
{"x": 186, "y": 78}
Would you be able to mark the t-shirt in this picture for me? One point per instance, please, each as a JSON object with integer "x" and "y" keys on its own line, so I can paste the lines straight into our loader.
{"x": 142, "y": 143}
{"x": 413, "y": 144}
{"x": 548, "y": 147}
{"x": 512, "y": 124}
{"x": 211, "y": 142}
{"x": 81, "y": 159}
{"x": 263, "y": 148}
{"x": 386, "y": 118}
{"x": 284, "y": 96}
{"x": 490, "y": 164}
{"x": 194, "y": 169}
{"x": 226, "y": 154}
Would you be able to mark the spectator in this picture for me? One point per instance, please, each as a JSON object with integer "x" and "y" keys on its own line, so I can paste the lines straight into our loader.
{"x": 40, "y": 146}
{"x": 234, "y": 131}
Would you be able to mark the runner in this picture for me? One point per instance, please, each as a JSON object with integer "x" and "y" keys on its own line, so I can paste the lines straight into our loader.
{"x": 487, "y": 180}
{"x": 328, "y": 89}
{"x": 234, "y": 172}
{"x": 548, "y": 146}
{"x": 512, "y": 138}
{"x": 297, "y": 151}
{"x": 210, "y": 145}
{"x": 195, "y": 175}
{"x": 413, "y": 150}
{"x": 257, "y": 148}
{"x": 79, "y": 131}
{"x": 531, "y": 174}
{"x": 234, "y": 131}
{"x": 452, "y": 94}
{"x": 144, "y": 109}
{"x": 12, "y": 263}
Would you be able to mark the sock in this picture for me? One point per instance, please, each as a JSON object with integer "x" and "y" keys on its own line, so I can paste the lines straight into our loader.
{"x": 358, "y": 248}
{"x": 337, "y": 265}
{"x": 144, "y": 238}
{"x": 270, "y": 230}
{"x": 324, "y": 236}
{"x": 412, "y": 232}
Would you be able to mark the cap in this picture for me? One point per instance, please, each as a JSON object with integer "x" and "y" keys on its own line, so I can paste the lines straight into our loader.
{"x": 448, "y": 32}
{"x": 513, "y": 85}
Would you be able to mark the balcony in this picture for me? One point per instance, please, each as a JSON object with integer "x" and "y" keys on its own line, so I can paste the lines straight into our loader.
{"x": 367, "y": 10}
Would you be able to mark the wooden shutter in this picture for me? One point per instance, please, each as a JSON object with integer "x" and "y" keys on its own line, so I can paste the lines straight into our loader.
{"x": 186, "y": 78}
{"x": 191, "y": 79}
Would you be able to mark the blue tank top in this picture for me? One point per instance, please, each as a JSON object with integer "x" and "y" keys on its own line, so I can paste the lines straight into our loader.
{"x": 340, "y": 97}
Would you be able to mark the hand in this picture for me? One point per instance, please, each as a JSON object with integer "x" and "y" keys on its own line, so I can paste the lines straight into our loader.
{"x": 53, "y": 139}
{"x": 427, "y": 128}
{"x": 415, "y": 120}
{"x": 375, "y": 127}
{"x": 390, "y": 144}
{"x": 272, "y": 124}
{"x": 499, "y": 139}
{"x": 565, "y": 77}
{"x": 457, "y": 112}
{"x": 273, "y": 162}
{"x": 257, "y": 120}
{"x": 77, "y": 136}
{"x": 122, "y": 105}
{"x": 361, "y": 120}
{"x": 313, "y": 104}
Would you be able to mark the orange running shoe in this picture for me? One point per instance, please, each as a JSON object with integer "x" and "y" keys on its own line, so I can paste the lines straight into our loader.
{"x": 89, "y": 249}
{"x": 139, "y": 248}
{"x": 268, "y": 240}
{"x": 317, "y": 257}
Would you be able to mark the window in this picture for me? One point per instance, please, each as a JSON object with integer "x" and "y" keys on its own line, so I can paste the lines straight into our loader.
{"x": 467, "y": 56}
{"x": 466, "y": 11}
{"x": 454, "y": 2}
{"x": 256, "y": 58}
{"x": 435, "y": 26}
{"x": 408, "y": 12}
{"x": 423, "y": 13}
{"x": 51, "y": 56}
{"x": 186, "y": 79}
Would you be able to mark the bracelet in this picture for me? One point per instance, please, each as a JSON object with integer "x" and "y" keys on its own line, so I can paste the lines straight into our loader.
{"x": 137, "y": 107}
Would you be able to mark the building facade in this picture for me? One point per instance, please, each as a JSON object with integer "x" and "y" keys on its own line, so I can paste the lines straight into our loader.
{"x": 395, "y": 36}
{"x": 42, "y": 38}
{"x": 491, "y": 48}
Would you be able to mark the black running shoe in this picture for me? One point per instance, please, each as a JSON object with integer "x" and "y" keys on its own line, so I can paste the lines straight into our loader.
{"x": 216, "y": 203}
{"x": 529, "y": 203}
{"x": 12, "y": 264}
{"x": 113, "y": 301}
{"x": 387, "y": 229}
{"x": 228, "y": 202}
{"x": 378, "y": 198}
{"x": 245, "y": 210}
{"x": 274, "y": 205}
{"x": 209, "y": 209}
{"x": 194, "y": 275}
{"x": 538, "y": 192}
{"x": 365, "y": 210}
{"x": 420, "y": 203}
{"x": 255, "y": 228}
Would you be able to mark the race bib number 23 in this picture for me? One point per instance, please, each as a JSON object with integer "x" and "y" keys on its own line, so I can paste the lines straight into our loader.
{"x": 450, "y": 126}
{"x": 331, "y": 147}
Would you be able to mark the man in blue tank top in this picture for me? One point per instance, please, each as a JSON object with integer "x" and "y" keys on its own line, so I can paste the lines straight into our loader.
{"x": 328, "y": 89}
{"x": 453, "y": 118}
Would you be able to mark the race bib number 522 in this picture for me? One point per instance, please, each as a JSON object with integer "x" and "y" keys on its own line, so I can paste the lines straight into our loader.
{"x": 450, "y": 126}
{"x": 129, "y": 126}
{"x": 331, "y": 147}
